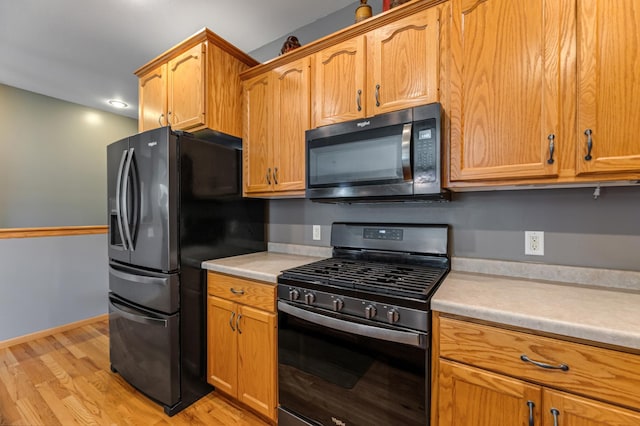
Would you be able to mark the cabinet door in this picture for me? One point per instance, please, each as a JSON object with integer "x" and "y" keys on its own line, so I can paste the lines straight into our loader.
{"x": 571, "y": 410}
{"x": 257, "y": 364}
{"x": 292, "y": 107}
{"x": 504, "y": 88}
{"x": 403, "y": 63}
{"x": 608, "y": 86}
{"x": 187, "y": 88}
{"x": 338, "y": 85}
{"x": 152, "y": 91}
{"x": 473, "y": 397}
{"x": 257, "y": 130}
{"x": 222, "y": 346}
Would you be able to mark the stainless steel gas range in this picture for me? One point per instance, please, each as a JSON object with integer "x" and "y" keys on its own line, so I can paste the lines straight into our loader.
{"x": 354, "y": 330}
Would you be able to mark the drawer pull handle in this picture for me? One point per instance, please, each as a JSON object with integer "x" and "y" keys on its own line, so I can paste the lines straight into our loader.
{"x": 531, "y": 405}
{"x": 234, "y": 291}
{"x": 555, "y": 413}
{"x": 563, "y": 367}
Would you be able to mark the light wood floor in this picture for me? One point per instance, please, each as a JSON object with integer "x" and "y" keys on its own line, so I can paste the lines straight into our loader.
{"x": 65, "y": 379}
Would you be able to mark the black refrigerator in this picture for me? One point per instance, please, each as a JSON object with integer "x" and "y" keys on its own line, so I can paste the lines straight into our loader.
{"x": 173, "y": 201}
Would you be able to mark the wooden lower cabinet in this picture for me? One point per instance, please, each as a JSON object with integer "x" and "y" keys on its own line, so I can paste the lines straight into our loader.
{"x": 241, "y": 344}
{"x": 474, "y": 397}
{"x": 480, "y": 379}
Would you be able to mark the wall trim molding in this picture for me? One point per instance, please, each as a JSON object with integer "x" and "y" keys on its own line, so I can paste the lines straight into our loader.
{"x": 52, "y": 231}
{"x": 50, "y": 331}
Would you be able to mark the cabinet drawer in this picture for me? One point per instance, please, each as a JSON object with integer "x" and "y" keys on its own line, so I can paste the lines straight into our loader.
{"x": 240, "y": 290}
{"x": 600, "y": 373}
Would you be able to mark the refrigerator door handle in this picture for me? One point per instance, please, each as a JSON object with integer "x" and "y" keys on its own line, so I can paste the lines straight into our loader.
{"x": 119, "y": 199}
{"x": 125, "y": 208}
{"x": 137, "y": 317}
{"x": 140, "y": 279}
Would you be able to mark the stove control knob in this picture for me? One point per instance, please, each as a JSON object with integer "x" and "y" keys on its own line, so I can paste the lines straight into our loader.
{"x": 294, "y": 294}
{"x": 309, "y": 298}
{"x": 370, "y": 312}
{"x": 338, "y": 304}
{"x": 393, "y": 316}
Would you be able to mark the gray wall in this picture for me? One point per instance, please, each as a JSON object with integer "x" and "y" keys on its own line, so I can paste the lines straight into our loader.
{"x": 53, "y": 160}
{"x": 52, "y": 173}
{"x": 47, "y": 282}
{"x": 316, "y": 30}
{"x": 579, "y": 230}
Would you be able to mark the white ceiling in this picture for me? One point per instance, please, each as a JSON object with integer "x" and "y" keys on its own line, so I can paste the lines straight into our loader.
{"x": 85, "y": 51}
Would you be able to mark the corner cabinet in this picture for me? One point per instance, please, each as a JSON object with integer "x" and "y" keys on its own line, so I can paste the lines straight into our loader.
{"x": 482, "y": 379}
{"x": 389, "y": 68}
{"x": 543, "y": 92}
{"x": 241, "y": 341}
{"x": 194, "y": 86}
{"x": 276, "y": 116}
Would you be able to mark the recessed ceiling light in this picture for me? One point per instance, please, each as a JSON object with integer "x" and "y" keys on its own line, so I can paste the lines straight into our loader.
{"x": 117, "y": 103}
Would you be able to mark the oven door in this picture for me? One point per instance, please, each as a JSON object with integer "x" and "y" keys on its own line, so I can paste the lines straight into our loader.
{"x": 335, "y": 371}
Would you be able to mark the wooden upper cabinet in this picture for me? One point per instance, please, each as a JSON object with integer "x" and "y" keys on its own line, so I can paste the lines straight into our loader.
{"x": 403, "y": 60}
{"x": 194, "y": 86}
{"x": 386, "y": 69}
{"x": 257, "y": 131}
{"x": 339, "y": 82}
{"x": 608, "y": 86}
{"x": 152, "y": 89}
{"x": 504, "y": 88}
{"x": 276, "y": 116}
{"x": 187, "y": 88}
{"x": 292, "y": 107}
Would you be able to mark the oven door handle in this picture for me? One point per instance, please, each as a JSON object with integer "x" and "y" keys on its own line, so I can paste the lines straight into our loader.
{"x": 417, "y": 340}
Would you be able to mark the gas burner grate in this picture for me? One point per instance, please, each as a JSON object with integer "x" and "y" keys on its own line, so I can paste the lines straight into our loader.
{"x": 412, "y": 281}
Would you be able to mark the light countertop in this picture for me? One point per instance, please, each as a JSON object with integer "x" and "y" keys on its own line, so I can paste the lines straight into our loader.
{"x": 600, "y": 314}
{"x": 263, "y": 266}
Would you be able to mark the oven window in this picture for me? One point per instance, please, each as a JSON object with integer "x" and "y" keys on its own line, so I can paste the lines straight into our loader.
{"x": 375, "y": 156}
{"x": 330, "y": 376}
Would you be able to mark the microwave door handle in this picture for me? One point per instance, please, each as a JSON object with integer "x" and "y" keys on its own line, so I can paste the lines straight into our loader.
{"x": 408, "y": 338}
{"x": 119, "y": 199}
{"x": 406, "y": 151}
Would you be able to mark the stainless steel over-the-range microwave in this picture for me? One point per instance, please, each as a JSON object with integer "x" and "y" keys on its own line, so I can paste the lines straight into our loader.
{"x": 392, "y": 156}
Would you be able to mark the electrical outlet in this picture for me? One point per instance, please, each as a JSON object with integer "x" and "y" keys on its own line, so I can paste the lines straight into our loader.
{"x": 316, "y": 232}
{"x": 534, "y": 243}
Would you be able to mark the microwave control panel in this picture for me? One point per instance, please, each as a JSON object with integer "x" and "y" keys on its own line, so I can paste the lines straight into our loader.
{"x": 425, "y": 150}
